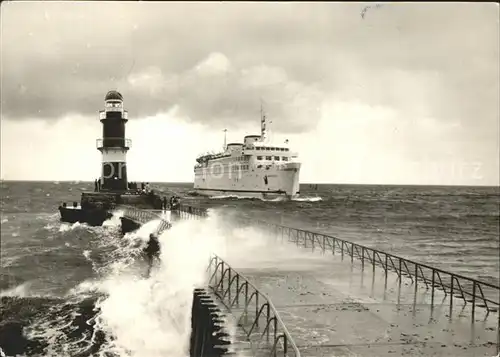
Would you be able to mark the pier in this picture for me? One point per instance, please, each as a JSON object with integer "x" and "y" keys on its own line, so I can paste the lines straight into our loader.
{"x": 261, "y": 332}
{"x": 341, "y": 298}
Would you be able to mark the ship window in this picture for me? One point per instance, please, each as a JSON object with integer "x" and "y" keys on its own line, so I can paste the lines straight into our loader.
{"x": 287, "y": 149}
{"x": 277, "y": 158}
{"x": 269, "y": 157}
{"x": 285, "y": 158}
{"x": 259, "y": 157}
{"x": 259, "y": 166}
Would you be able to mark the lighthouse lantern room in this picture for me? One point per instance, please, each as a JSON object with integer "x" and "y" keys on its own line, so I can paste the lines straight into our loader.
{"x": 113, "y": 145}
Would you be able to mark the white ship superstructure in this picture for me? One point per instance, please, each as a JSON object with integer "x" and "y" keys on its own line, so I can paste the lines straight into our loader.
{"x": 254, "y": 168}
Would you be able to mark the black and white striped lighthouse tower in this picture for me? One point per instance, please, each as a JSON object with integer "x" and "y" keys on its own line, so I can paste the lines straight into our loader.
{"x": 113, "y": 144}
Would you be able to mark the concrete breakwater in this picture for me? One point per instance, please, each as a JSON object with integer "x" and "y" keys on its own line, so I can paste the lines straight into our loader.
{"x": 208, "y": 335}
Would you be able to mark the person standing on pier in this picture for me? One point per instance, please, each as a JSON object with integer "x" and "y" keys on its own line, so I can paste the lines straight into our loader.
{"x": 95, "y": 185}
{"x": 152, "y": 251}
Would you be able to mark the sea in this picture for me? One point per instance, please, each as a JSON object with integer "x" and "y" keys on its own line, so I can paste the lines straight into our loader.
{"x": 75, "y": 290}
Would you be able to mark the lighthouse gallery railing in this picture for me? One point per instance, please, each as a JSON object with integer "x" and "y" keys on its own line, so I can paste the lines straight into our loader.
{"x": 113, "y": 142}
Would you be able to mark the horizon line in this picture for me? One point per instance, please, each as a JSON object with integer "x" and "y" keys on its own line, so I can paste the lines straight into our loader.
{"x": 302, "y": 183}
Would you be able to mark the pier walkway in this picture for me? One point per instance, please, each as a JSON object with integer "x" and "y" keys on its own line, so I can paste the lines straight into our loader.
{"x": 338, "y": 298}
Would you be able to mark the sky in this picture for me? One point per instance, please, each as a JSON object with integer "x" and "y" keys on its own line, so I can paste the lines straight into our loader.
{"x": 398, "y": 93}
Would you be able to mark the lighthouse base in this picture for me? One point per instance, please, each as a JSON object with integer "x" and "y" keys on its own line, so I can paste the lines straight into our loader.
{"x": 93, "y": 217}
{"x": 96, "y": 207}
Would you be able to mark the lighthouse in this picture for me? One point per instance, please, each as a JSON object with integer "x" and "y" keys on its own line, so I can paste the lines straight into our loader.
{"x": 113, "y": 145}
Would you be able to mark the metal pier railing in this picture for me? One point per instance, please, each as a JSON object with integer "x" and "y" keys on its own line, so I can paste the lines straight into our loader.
{"x": 143, "y": 216}
{"x": 258, "y": 317}
{"x": 188, "y": 212}
{"x": 471, "y": 291}
{"x": 479, "y": 294}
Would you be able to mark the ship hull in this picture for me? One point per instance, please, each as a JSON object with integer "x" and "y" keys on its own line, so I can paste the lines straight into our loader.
{"x": 250, "y": 194}
{"x": 267, "y": 183}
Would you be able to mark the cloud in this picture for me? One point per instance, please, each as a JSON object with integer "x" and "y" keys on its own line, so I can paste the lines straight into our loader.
{"x": 410, "y": 82}
{"x": 216, "y": 60}
{"x": 214, "y": 92}
{"x": 164, "y": 148}
{"x": 352, "y": 143}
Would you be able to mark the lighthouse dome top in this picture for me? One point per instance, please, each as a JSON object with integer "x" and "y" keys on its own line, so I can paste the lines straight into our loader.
{"x": 113, "y": 95}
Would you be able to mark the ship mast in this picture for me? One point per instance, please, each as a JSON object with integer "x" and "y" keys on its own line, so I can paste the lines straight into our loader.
{"x": 225, "y": 139}
{"x": 263, "y": 122}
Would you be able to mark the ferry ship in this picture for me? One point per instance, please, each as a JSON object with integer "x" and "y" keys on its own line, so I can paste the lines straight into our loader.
{"x": 254, "y": 168}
